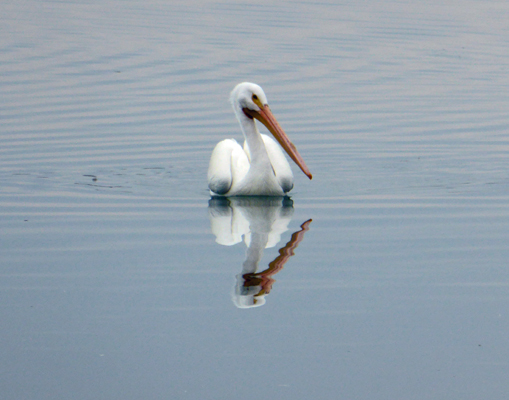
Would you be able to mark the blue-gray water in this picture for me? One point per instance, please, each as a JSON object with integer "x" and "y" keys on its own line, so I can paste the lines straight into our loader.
{"x": 118, "y": 279}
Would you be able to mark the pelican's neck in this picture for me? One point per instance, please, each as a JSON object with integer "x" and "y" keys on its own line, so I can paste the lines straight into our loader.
{"x": 254, "y": 141}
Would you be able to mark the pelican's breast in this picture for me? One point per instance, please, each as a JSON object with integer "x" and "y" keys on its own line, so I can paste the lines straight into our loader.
{"x": 280, "y": 165}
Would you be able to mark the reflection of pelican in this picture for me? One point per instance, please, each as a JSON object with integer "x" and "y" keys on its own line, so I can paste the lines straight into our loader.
{"x": 260, "y": 169}
{"x": 261, "y": 220}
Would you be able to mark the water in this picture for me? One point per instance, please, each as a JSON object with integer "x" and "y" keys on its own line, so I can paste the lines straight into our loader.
{"x": 383, "y": 277}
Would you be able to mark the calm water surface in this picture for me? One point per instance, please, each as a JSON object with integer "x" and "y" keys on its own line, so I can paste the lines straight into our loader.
{"x": 384, "y": 277}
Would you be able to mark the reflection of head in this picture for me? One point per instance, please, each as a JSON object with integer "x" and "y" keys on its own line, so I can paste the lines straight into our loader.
{"x": 248, "y": 301}
{"x": 251, "y": 289}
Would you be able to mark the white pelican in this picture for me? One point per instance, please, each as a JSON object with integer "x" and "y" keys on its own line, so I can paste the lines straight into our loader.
{"x": 260, "y": 168}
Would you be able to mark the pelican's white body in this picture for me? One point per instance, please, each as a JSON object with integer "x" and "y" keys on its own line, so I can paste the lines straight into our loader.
{"x": 258, "y": 169}
{"x": 231, "y": 168}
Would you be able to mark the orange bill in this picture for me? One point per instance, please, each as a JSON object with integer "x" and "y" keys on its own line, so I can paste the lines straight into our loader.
{"x": 266, "y": 117}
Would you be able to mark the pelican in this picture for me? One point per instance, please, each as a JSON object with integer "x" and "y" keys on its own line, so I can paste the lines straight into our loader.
{"x": 260, "y": 168}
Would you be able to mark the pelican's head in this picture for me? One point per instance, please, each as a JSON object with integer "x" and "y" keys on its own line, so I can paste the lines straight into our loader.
{"x": 249, "y": 100}
{"x": 248, "y": 95}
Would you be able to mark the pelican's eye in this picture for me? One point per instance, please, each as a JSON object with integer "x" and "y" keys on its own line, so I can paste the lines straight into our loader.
{"x": 257, "y": 100}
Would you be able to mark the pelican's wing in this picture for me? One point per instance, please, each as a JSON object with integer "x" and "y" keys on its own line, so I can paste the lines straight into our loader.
{"x": 279, "y": 163}
{"x": 228, "y": 164}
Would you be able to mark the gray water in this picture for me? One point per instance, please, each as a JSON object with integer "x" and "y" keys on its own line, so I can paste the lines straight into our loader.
{"x": 385, "y": 277}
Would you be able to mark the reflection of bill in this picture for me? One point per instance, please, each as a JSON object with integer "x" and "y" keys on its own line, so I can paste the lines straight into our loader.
{"x": 261, "y": 221}
{"x": 262, "y": 282}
